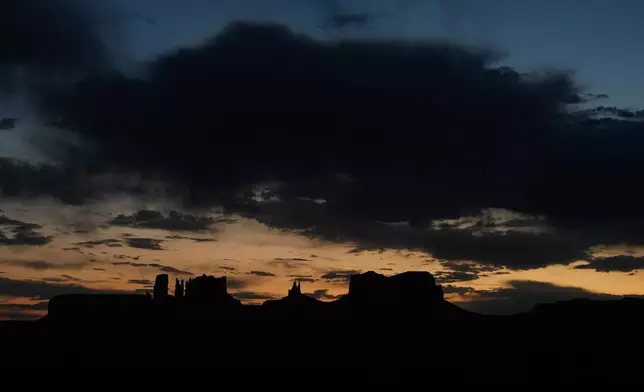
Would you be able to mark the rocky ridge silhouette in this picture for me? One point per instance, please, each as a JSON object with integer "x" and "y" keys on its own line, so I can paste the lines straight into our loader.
{"x": 406, "y": 296}
{"x": 412, "y": 295}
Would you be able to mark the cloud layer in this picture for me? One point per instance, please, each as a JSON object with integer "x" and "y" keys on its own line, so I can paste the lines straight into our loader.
{"x": 352, "y": 136}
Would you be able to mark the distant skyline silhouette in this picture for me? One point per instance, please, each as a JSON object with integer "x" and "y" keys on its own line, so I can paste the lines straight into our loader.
{"x": 405, "y": 296}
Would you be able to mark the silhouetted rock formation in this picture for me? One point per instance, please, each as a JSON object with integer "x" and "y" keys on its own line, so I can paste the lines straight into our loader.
{"x": 295, "y": 290}
{"x": 371, "y": 295}
{"x": 405, "y": 288}
{"x": 407, "y": 295}
{"x": 178, "y": 289}
{"x": 202, "y": 297}
{"x": 161, "y": 287}
{"x": 208, "y": 290}
{"x": 295, "y": 305}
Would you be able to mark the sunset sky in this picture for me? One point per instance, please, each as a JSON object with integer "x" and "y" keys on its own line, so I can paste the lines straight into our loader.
{"x": 86, "y": 251}
{"x": 160, "y": 195}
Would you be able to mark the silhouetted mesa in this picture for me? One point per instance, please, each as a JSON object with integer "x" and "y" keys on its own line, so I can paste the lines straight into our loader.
{"x": 161, "y": 287}
{"x": 410, "y": 295}
{"x": 210, "y": 290}
{"x": 408, "y": 288}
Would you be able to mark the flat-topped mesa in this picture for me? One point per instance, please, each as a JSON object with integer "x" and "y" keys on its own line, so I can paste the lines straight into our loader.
{"x": 415, "y": 287}
{"x": 208, "y": 289}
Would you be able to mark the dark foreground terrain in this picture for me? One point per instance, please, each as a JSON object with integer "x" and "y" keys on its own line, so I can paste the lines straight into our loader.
{"x": 383, "y": 326}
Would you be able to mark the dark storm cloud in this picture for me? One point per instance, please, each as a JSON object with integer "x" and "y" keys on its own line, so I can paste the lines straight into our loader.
{"x": 512, "y": 248}
{"x": 43, "y": 290}
{"x": 174, "y": 221}
{"x": 145, "y": 243}
{"x": 523, "y": 295}
{"x": 323, "y": 294}
{"x": 621, "y": 263}
{"x": 261, "y": 273}
{"x": 266, "y": 84}
{"x": 41, "y": 265}
{"x": 380, "y": 131}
